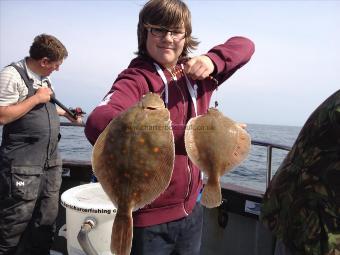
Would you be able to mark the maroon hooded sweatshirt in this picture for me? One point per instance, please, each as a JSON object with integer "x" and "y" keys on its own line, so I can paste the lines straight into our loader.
{"x": 179, "y": 199}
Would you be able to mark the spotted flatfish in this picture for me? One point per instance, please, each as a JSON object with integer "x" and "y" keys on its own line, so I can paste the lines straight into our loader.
{"x": 216, "y": 144}
{"x": 133, "y": 160}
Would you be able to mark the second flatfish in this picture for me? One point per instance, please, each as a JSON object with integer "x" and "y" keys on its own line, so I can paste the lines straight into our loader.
{"x": 216, "y": 144}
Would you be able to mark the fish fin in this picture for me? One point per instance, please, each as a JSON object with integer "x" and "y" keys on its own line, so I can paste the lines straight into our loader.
{"x": 121, "y": 236}
{"x": 211, "y": 195}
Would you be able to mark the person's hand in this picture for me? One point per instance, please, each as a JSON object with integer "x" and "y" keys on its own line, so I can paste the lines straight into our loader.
{"x": 43, "y": 95}
{"x": 63, "y": 113}
{"x": 199, "y": 68}
{"x": 79, "y": 120}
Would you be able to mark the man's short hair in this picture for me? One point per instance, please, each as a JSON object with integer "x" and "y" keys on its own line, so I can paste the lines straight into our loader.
{"x": 47, "y": 46}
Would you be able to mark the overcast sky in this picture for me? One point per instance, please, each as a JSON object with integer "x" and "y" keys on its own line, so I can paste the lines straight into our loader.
{"x": 295, "y": 67}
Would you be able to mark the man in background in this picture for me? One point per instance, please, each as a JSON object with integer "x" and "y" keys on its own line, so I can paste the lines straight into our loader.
{"x": 30, "y": 165}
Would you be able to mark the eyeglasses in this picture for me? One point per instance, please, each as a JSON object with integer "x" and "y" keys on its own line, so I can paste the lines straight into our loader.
{"x": 161, "y": 32}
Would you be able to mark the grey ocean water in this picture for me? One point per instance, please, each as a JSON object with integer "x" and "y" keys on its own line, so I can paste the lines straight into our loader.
{"x": 251, "y": 173}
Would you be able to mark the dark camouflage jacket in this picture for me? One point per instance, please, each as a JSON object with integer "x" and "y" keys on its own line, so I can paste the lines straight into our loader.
{"x": 302, "y": 203}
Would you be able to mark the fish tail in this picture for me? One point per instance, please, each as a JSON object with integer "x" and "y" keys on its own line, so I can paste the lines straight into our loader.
{"x": 211, "y": 195}
{"x": 121, "y": 237}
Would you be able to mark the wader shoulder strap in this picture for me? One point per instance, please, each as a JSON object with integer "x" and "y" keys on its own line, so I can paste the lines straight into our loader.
{"x": 27, "y": 80}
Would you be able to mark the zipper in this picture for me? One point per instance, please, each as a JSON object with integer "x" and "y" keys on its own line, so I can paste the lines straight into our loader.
{"x": 49, "y": 120}
{"x": 189, "y": 184}
{"x": 184, "y": 104}
{"x": 49, "y": 136}
{"x": 185, "y": 110}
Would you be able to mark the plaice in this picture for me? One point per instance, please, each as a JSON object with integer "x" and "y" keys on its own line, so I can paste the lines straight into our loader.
{"x": 216, "y": 144}
{"x": 133, "y": 160}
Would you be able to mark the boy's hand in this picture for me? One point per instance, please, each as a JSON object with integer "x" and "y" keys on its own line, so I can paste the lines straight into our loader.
{"x": 199, "y": 68}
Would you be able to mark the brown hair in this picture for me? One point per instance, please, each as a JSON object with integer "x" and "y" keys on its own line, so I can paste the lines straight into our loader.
{"x": 169, "y": 14}
{"x": 47, "y": 46}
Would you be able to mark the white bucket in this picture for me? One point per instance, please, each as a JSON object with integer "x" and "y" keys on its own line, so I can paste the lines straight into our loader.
{"x": 82, "y": 202}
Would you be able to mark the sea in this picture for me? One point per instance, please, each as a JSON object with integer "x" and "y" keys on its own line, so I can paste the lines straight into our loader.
{"x": 251, "y": 173}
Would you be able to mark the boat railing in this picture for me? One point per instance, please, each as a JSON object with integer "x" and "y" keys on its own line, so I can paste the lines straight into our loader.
{"x": 270, "y": 146}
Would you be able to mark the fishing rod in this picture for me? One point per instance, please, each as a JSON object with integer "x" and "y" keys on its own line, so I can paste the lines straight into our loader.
{"x": 74, "y": 113}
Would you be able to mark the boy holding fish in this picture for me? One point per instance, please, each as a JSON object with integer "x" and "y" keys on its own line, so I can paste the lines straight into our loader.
{"x": 172, "y": 223}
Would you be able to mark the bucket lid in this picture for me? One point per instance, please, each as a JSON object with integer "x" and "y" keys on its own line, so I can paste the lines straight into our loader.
{"x": 87, "y": 196}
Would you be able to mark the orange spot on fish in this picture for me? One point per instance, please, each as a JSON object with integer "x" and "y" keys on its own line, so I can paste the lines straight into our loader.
{"x": 146, "y": 174}
{"x": 156, "y": 149}
{"x": 141, "y": 140}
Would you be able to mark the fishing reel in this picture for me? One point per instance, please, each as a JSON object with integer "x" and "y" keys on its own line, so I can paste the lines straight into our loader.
{"x": 77, "y": 111}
